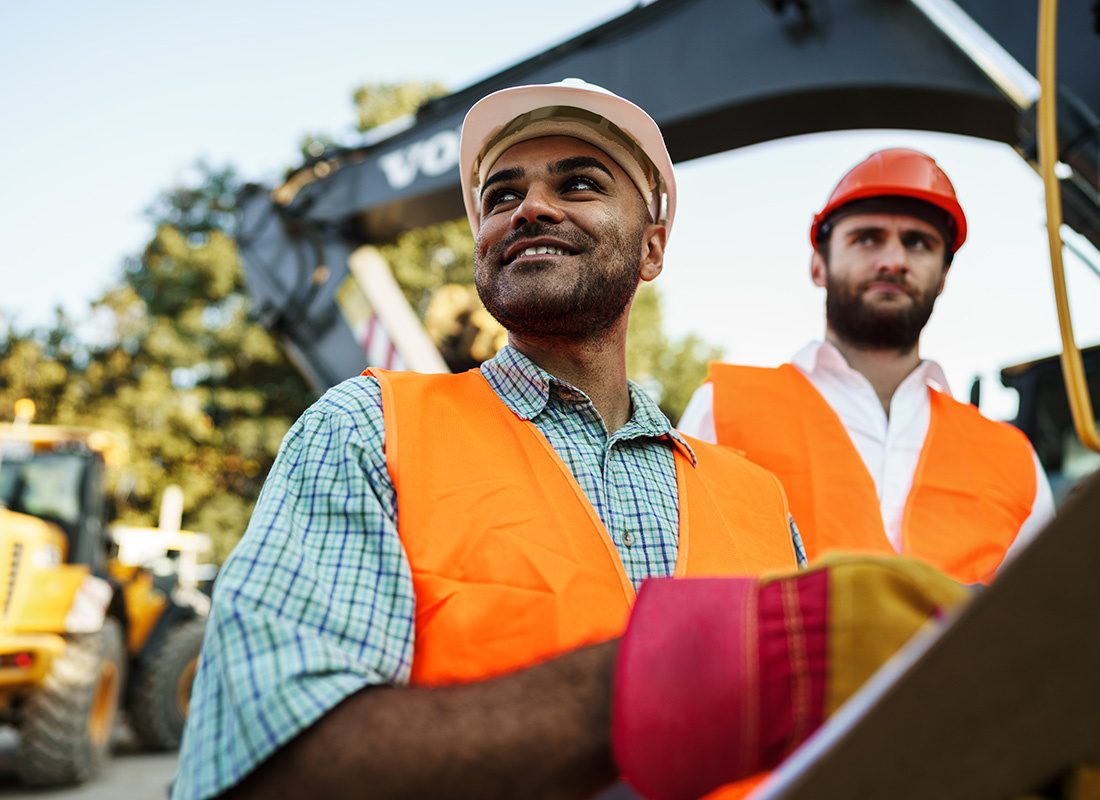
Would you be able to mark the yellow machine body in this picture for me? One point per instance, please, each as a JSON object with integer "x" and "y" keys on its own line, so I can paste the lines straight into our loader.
{"x": 37, "y": 591}
{"x": 144, "y": 603}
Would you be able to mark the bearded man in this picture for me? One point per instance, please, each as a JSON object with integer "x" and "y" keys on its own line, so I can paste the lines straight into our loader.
{"x": 431, "y": 596}
{"x": 862, "y": 431}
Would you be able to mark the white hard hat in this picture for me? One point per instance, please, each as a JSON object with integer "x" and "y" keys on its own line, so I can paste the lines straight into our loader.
{"x": 573, "y": 108}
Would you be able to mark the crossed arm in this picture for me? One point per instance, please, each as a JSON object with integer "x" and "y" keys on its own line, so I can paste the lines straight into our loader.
{"x": 542, "y": 732}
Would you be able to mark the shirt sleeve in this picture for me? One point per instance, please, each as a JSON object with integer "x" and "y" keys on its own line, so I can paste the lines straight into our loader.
{"x": 698, "y": 418}
{"x": 315, "y": 603}
{"x": 796, "y": 542}
{"x": 1042, "y": 511}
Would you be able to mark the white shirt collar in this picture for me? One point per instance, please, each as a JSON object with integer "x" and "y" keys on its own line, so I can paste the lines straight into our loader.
{"x": 824, "y": 357}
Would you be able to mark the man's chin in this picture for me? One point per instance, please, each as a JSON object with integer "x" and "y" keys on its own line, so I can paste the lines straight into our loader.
{"x": 551, "y": 320}
{"x": 531, "y": 318}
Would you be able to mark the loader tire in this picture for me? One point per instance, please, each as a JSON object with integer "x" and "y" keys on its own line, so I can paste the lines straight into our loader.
{"x": 66, "y": 724}
{"x": 161, "y": 692}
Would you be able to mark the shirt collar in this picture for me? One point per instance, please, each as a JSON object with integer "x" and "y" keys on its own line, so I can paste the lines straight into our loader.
{"x": 651, "y": 421}
{"x": 823, "y": 357}
{"x": 524, "y": 387}
{"x": 519, "y": 382}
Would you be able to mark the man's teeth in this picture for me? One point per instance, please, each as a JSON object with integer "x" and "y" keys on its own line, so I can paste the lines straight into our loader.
{"x": 542, "y": 251}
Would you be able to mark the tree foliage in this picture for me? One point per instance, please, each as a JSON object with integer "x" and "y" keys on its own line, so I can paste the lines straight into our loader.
{"x": 669, "y": 368}
{"x": 434, "y": 265}
{"x": 379, "y": 103}
{"x": 170, "y": 360}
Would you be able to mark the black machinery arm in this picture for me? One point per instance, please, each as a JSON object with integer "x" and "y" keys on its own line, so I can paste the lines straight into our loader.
{"x": 716, "y": 75}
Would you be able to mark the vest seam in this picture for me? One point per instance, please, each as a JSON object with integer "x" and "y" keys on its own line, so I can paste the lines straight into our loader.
{"x": 807, "y": 386}
{"x": 389, "y": 426}
{"x": 601, "y": 529}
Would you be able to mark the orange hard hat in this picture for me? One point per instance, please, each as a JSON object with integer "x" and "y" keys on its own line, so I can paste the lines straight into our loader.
{"x": 897, "y": 172}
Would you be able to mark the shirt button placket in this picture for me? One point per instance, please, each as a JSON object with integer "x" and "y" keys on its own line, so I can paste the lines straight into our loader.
{"x": 628, "y": 538}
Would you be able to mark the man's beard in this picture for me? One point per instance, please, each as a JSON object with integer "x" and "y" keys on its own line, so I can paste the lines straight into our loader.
{"x": 859, "y": 323}
{"x": 606, "y": 278}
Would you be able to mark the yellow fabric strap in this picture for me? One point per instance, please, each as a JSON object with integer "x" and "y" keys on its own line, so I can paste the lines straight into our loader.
{"x": 876, "y": 604}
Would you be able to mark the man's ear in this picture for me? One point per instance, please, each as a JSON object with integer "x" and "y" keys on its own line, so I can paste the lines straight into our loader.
{"x": 943, "y": 279}
{"x": 818, "y": 269}
{"x": 653, "y": 251}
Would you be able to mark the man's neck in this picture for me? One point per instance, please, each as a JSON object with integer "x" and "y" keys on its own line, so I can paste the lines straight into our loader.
{"x": 596, "y": 366}
{"x": 884, "y": 369}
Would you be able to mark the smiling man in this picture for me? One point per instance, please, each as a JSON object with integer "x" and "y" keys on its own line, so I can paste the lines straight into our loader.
{"x": 429, "y": 598}
{"x": 861, "y": 430}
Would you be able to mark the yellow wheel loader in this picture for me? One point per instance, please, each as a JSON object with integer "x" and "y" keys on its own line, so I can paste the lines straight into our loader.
{"x": 166, "y": 594}
{"x": 88, "y": 625}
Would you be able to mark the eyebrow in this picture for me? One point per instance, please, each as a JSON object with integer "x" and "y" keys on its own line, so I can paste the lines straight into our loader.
{"x": 511, "y": 174}
{"x": 579, "y": 162}
{"x": 879, "y": 229}
{"x": 863, "y": 230}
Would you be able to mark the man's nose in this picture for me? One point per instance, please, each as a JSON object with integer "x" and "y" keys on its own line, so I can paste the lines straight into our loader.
{"x": 893, "y": 256}
{"x": 538, "y": 205}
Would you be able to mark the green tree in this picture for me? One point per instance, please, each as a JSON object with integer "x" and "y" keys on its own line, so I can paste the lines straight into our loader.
{"x": 429, "y": 263}
{"x": 379, "y": 103}
{"x": 173, "y": 363}
{"x": 426, "y": 258}
{"x": 38, "y": 365}
{"x": 209, "y": 392}
{"x": 669, "y": 368}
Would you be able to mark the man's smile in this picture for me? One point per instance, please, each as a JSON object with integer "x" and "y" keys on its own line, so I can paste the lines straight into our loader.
{"x": 528, "y": 249}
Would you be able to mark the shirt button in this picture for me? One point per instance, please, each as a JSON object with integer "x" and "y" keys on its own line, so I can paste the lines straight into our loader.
{"x": 629, "y": 538}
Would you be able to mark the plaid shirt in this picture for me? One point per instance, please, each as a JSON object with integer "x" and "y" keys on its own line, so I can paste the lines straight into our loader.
{"x": 316, "y": 602}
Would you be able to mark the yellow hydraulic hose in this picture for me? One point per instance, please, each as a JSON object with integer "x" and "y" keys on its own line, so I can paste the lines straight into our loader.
{"x": 1073, "y": 370}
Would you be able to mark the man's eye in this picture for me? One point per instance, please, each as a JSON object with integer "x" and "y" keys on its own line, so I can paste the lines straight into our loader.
{"x": 920, "y": 243}
{"x": 580, "y": 184}
{"x": 498, "y": 196}
{"x": 866, "y": 239}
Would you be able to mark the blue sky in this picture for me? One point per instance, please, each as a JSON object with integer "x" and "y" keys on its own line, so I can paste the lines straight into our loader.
{"x": 107, "y": 104}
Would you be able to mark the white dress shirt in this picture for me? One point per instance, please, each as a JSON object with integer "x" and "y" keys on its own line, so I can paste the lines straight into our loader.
{"x": 890, "y": 445}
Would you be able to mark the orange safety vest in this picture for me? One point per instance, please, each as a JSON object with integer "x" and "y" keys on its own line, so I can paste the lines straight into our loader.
{"x": 510, "y": 563}
{"x": 972, "y": 490}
